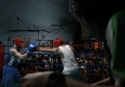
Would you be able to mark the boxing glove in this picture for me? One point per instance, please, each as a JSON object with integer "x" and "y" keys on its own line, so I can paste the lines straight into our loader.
{"x": 37, "y": 48}
{"x": 32, "y": 47}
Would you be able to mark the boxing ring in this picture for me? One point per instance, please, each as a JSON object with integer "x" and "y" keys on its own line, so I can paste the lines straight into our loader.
{"x": 93, "y": 65}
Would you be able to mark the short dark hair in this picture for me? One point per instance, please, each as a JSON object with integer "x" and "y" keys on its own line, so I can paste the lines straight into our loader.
{"x": 56, "y": 79}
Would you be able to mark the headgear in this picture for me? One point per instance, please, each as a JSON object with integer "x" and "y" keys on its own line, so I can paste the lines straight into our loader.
{"x": 57, "y": 42}
{"x": 18, "y": 42}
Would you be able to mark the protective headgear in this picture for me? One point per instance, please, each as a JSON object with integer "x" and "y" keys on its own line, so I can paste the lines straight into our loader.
{"x": 57, "y": 42}
{"x": 97, "y": 45}
{"x": 18, "y": 42}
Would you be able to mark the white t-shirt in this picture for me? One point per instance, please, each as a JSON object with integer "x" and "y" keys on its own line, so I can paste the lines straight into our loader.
{"x": 69, "y": 61}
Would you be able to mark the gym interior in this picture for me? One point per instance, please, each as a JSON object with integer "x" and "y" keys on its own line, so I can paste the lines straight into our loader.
{"x": 42, "y": 21}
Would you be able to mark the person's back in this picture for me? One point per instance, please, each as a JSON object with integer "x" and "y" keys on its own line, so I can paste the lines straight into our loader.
{"x": 69, "y": 60}
{"x": 67, "y": 54}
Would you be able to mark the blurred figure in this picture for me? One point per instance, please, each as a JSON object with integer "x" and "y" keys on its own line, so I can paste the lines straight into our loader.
{"x": 10, "y": 73}
{"x": 104, "y": 19}
{"x": 52, "y": 79}
{"x": 68, "y": 57}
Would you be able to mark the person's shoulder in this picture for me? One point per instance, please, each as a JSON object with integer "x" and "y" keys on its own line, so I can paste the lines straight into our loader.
{"x": 72, "y": 48}
{"x": 13, "y": 50}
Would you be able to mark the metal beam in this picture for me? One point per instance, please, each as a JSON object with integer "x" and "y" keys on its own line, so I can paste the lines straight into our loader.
{"x": 27, "y": 30}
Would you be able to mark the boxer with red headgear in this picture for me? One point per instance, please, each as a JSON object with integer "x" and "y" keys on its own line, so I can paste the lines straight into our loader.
{"x": 19, "y": 42}
{"x": 57, "y": 42}
{"x": 10, "y": 72}
{"x": 67, "y": 54}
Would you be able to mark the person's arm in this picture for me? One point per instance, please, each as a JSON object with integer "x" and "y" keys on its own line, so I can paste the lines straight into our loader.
{"x": 31, "y": 48}
{"x": 48, "y": 49}
{"x": 16, "y": 53}
{"x": 103, "y": 82}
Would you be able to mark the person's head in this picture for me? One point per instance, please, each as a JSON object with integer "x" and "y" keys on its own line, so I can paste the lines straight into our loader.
{"x": 58, "y": 42}
{"x": 44, "y": 79}
{"x": 19, "y": 42}
{"x": 96, "y": 13}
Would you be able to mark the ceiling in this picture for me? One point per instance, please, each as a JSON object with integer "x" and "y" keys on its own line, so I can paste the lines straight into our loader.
{"x": 37, "y": 12}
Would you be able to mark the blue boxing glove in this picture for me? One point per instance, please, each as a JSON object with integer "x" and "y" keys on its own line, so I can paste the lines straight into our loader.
{"x": 32, "y": 47}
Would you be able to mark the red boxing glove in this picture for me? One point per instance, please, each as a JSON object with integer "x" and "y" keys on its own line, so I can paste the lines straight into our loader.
{"x": 37, "y": 48}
